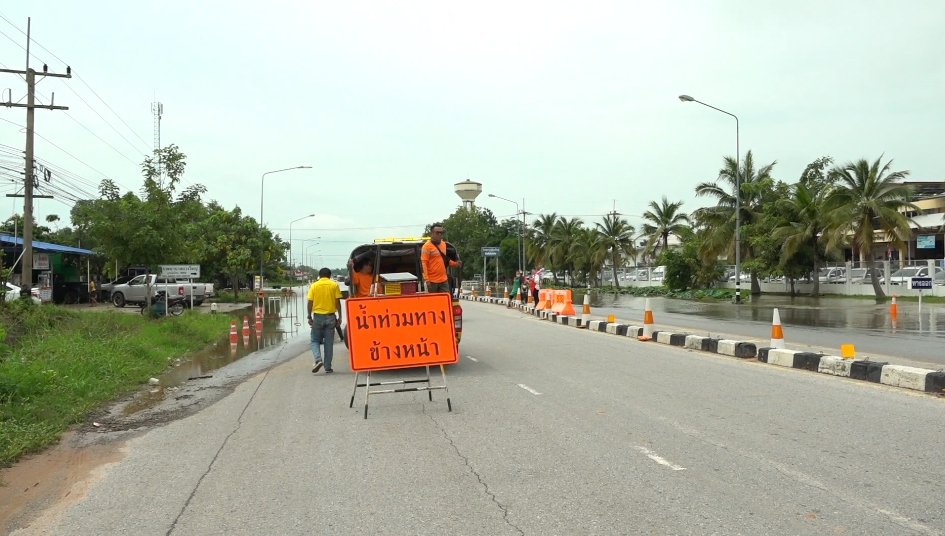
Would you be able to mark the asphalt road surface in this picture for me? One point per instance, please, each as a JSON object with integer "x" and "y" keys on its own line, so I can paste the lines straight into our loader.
{"x": 553, "y": 431}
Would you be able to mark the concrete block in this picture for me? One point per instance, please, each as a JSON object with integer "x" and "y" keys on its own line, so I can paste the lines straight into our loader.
{"x": 612, "y": 328}
{"x": 694, "y": 342}
{"x": 634, "y": 331}
{"x": 834, "y": 365}
{"x": 662, "y": 337}
{"x": 935, "y": 382}
{"x": 870, "y": 371}
{"x": 726, "y": 347}
{"x": 763, "y": 353}
{"x": 807, "y": 361}
{"x": 710, "y": 344}
{"x": 596, "y": 325}
{"x": 781, "y": 357}
{"x": 677, "y": 339}
{"x": 906, "y": 377}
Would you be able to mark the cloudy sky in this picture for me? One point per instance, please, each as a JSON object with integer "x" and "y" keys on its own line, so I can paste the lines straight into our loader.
{"x": 571, "y": 107}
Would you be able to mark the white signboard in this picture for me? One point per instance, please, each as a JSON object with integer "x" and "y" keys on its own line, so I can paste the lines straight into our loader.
{"x": 180, "y": 271}
{"x": 40, "y": 261}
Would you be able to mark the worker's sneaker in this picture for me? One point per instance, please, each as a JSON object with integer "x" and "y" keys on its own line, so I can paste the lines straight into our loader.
{"x": 317, "y": 367}
{"x": 328, "y": 371}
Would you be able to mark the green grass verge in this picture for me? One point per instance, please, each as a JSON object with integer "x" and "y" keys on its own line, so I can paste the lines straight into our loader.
{"x": 57, "y": 365}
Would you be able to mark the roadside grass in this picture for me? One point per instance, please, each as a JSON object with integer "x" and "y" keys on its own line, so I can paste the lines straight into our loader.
{"x": 57, "y": 365}
{"x": 227, "y": 296}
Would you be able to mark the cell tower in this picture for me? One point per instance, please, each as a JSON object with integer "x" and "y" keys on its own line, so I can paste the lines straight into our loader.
{"x": 157, "y": 109}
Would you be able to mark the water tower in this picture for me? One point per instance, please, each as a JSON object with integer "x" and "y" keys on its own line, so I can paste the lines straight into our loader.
{"x": 468, "y": 191}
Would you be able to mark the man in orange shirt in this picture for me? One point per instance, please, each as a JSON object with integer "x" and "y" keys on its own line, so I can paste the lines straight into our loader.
{"x": 433, "y": 261}
{"x": 362, "y": 276}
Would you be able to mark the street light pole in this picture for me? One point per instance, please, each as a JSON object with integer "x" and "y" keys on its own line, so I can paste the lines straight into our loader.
{"x": 262, "y": 190}
{"x": 517, "y": 212}
{"x": 738, "y": 199}
{"x": 290, "y": 236}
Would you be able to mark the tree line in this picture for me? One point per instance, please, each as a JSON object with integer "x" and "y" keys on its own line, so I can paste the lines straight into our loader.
{"x": 787, "y": 229}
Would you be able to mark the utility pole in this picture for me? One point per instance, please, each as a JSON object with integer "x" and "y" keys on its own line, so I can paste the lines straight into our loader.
{"x": 26, "y": 279}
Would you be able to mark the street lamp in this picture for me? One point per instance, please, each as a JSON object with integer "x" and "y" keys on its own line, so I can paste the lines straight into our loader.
{"x": 521, "y": 252}
{"x": 738, "y": 200}
{"x": 290, "y": 236}
{"x": 262, "y": 184}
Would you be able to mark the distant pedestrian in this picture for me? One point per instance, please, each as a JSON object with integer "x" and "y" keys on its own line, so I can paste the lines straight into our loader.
{"x": 535, "y": 286}
{"x": 516, "y": 287}
{"x": 93, "y": 294}
{"x": 323, "y": 305}
{"x": 523, "y": 287}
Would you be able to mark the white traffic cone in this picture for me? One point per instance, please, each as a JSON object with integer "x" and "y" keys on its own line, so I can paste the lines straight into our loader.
{"x": 586, "y": 311}
{"x": 647, "y": 322}
{"x": 777, "y": 334}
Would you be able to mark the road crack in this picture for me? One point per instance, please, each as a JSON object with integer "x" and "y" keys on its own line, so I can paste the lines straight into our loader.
{"x": 504, "y": 509}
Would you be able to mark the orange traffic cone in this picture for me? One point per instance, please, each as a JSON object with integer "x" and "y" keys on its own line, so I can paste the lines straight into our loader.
{"x": 505, "y": 293}
{"x": 893, "y": 308}
{"x": 586, "y": 310}
{"x": 647, "y": 322}
{"x": 259, "y": 321}
{"x": 777, "y": 334}
{"x": 245, "y": 326}
{"x": 233, "y": 335}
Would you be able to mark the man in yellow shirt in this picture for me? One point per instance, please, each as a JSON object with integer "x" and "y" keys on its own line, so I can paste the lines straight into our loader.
{"x": 433, "y": 261}
{"x": 323, "y": 305}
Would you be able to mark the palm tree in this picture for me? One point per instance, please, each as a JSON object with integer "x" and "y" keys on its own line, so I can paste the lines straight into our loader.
{"x": 562, "y": 238}
{"x": 617, "y": 238}
{"x": 807, "y": 226}
{"x": 539, "y": 242}
{"x": 720, "y": 219}
{"x": 588, "y": 251}
{"x": 868, "y": 199}
{"x": 663, "y": 219}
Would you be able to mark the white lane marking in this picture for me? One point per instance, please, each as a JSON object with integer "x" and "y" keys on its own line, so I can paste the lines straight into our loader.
{"x": 471, "y": 358}
{"x": 659, "y": 459}
{"x": 529, "y": 389}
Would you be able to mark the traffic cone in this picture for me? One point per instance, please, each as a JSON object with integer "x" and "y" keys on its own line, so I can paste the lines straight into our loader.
{"x": 777, "y": 334}
{"x": 505, "y": 293}
{"x": 586, "y": 311}
{"x": 233, "y": 335}
{"x": 893, "y": 308}
{"x": 647, "y": 322}
{"x": 245, "y": 326}
{"x": 611, "y": 319}
{"x": 259, "y": 321}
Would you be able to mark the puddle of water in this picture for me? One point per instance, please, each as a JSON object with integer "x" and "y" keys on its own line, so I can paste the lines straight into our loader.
{"x": 282, "y": 317}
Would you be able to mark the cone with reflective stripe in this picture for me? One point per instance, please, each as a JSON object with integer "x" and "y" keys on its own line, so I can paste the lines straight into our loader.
{"x": 777, "y": 334}
{"x": 586, "y": 310}
{"x": 505, "y": 293}
{"x": 893, "y": 308}
{"x": 647, "y": 322}
{"x": 245, "y": 326}
{"x": 233, "y": 334}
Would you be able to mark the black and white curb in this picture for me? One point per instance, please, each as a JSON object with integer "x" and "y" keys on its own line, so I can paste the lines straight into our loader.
{"x": 917, "y": 379}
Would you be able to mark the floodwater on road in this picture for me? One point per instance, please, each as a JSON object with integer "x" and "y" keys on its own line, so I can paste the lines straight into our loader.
{"x": 282, "y": 317}
{"x": 825, "y": 321}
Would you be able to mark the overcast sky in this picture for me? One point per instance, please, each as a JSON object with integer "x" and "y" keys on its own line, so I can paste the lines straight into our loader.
{"x": 571, "y": 106}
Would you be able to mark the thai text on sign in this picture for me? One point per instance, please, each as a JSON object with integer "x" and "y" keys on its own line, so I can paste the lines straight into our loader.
{"x": 401, "y": 331}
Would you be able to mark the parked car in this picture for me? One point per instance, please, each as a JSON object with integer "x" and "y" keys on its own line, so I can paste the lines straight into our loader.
{"x": 12, "y": 292}
{"x": 106, "y": 288}
{"x": 858, "y": 276}
{"x": 904, "y": 276}
{"x": 834, "y": 274}
{"x": 135, "y": 290}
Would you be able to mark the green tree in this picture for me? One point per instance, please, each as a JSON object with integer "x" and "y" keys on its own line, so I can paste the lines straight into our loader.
{"x": 663, "y": 219}
{"x": 539, "y": 241}
{"x": 719, "y": 221}
{"x": 868, "y": 199}
{"x": 616, "y": 236}
{"x": 563, "y": 236}
{"x": 588, "y": 252}
{"x": 468, "y": 230}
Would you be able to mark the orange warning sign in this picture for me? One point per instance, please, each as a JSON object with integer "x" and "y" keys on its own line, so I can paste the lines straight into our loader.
{"x": 394, "y": 332}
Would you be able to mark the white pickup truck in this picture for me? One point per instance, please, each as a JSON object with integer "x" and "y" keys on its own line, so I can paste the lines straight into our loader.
{"x": 135, "y": 291}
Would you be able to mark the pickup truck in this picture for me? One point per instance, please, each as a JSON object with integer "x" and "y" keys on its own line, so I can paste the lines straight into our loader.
{"x": 135, "y": 290}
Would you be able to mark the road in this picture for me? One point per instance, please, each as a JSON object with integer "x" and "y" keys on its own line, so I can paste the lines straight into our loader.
{"x": 553, "y": 431}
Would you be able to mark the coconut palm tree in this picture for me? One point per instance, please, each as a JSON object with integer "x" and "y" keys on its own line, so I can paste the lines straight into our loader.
{"x": 539, "y": 239}
{"x": 588, "y": 252}
{"x": 867, "y": 199}
{"x": 663, "y": 219}
{"x": 562, "y": 238}
{"x": 806, "y": 226}
{"x": 720, "y": 220}
{"x": 617, "y": 239}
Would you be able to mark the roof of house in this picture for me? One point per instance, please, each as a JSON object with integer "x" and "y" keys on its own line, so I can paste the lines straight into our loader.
{"x": 45, "y": 246}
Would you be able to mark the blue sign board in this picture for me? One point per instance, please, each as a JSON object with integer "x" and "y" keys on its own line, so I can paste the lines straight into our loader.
{"x": 921, "y": 283}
